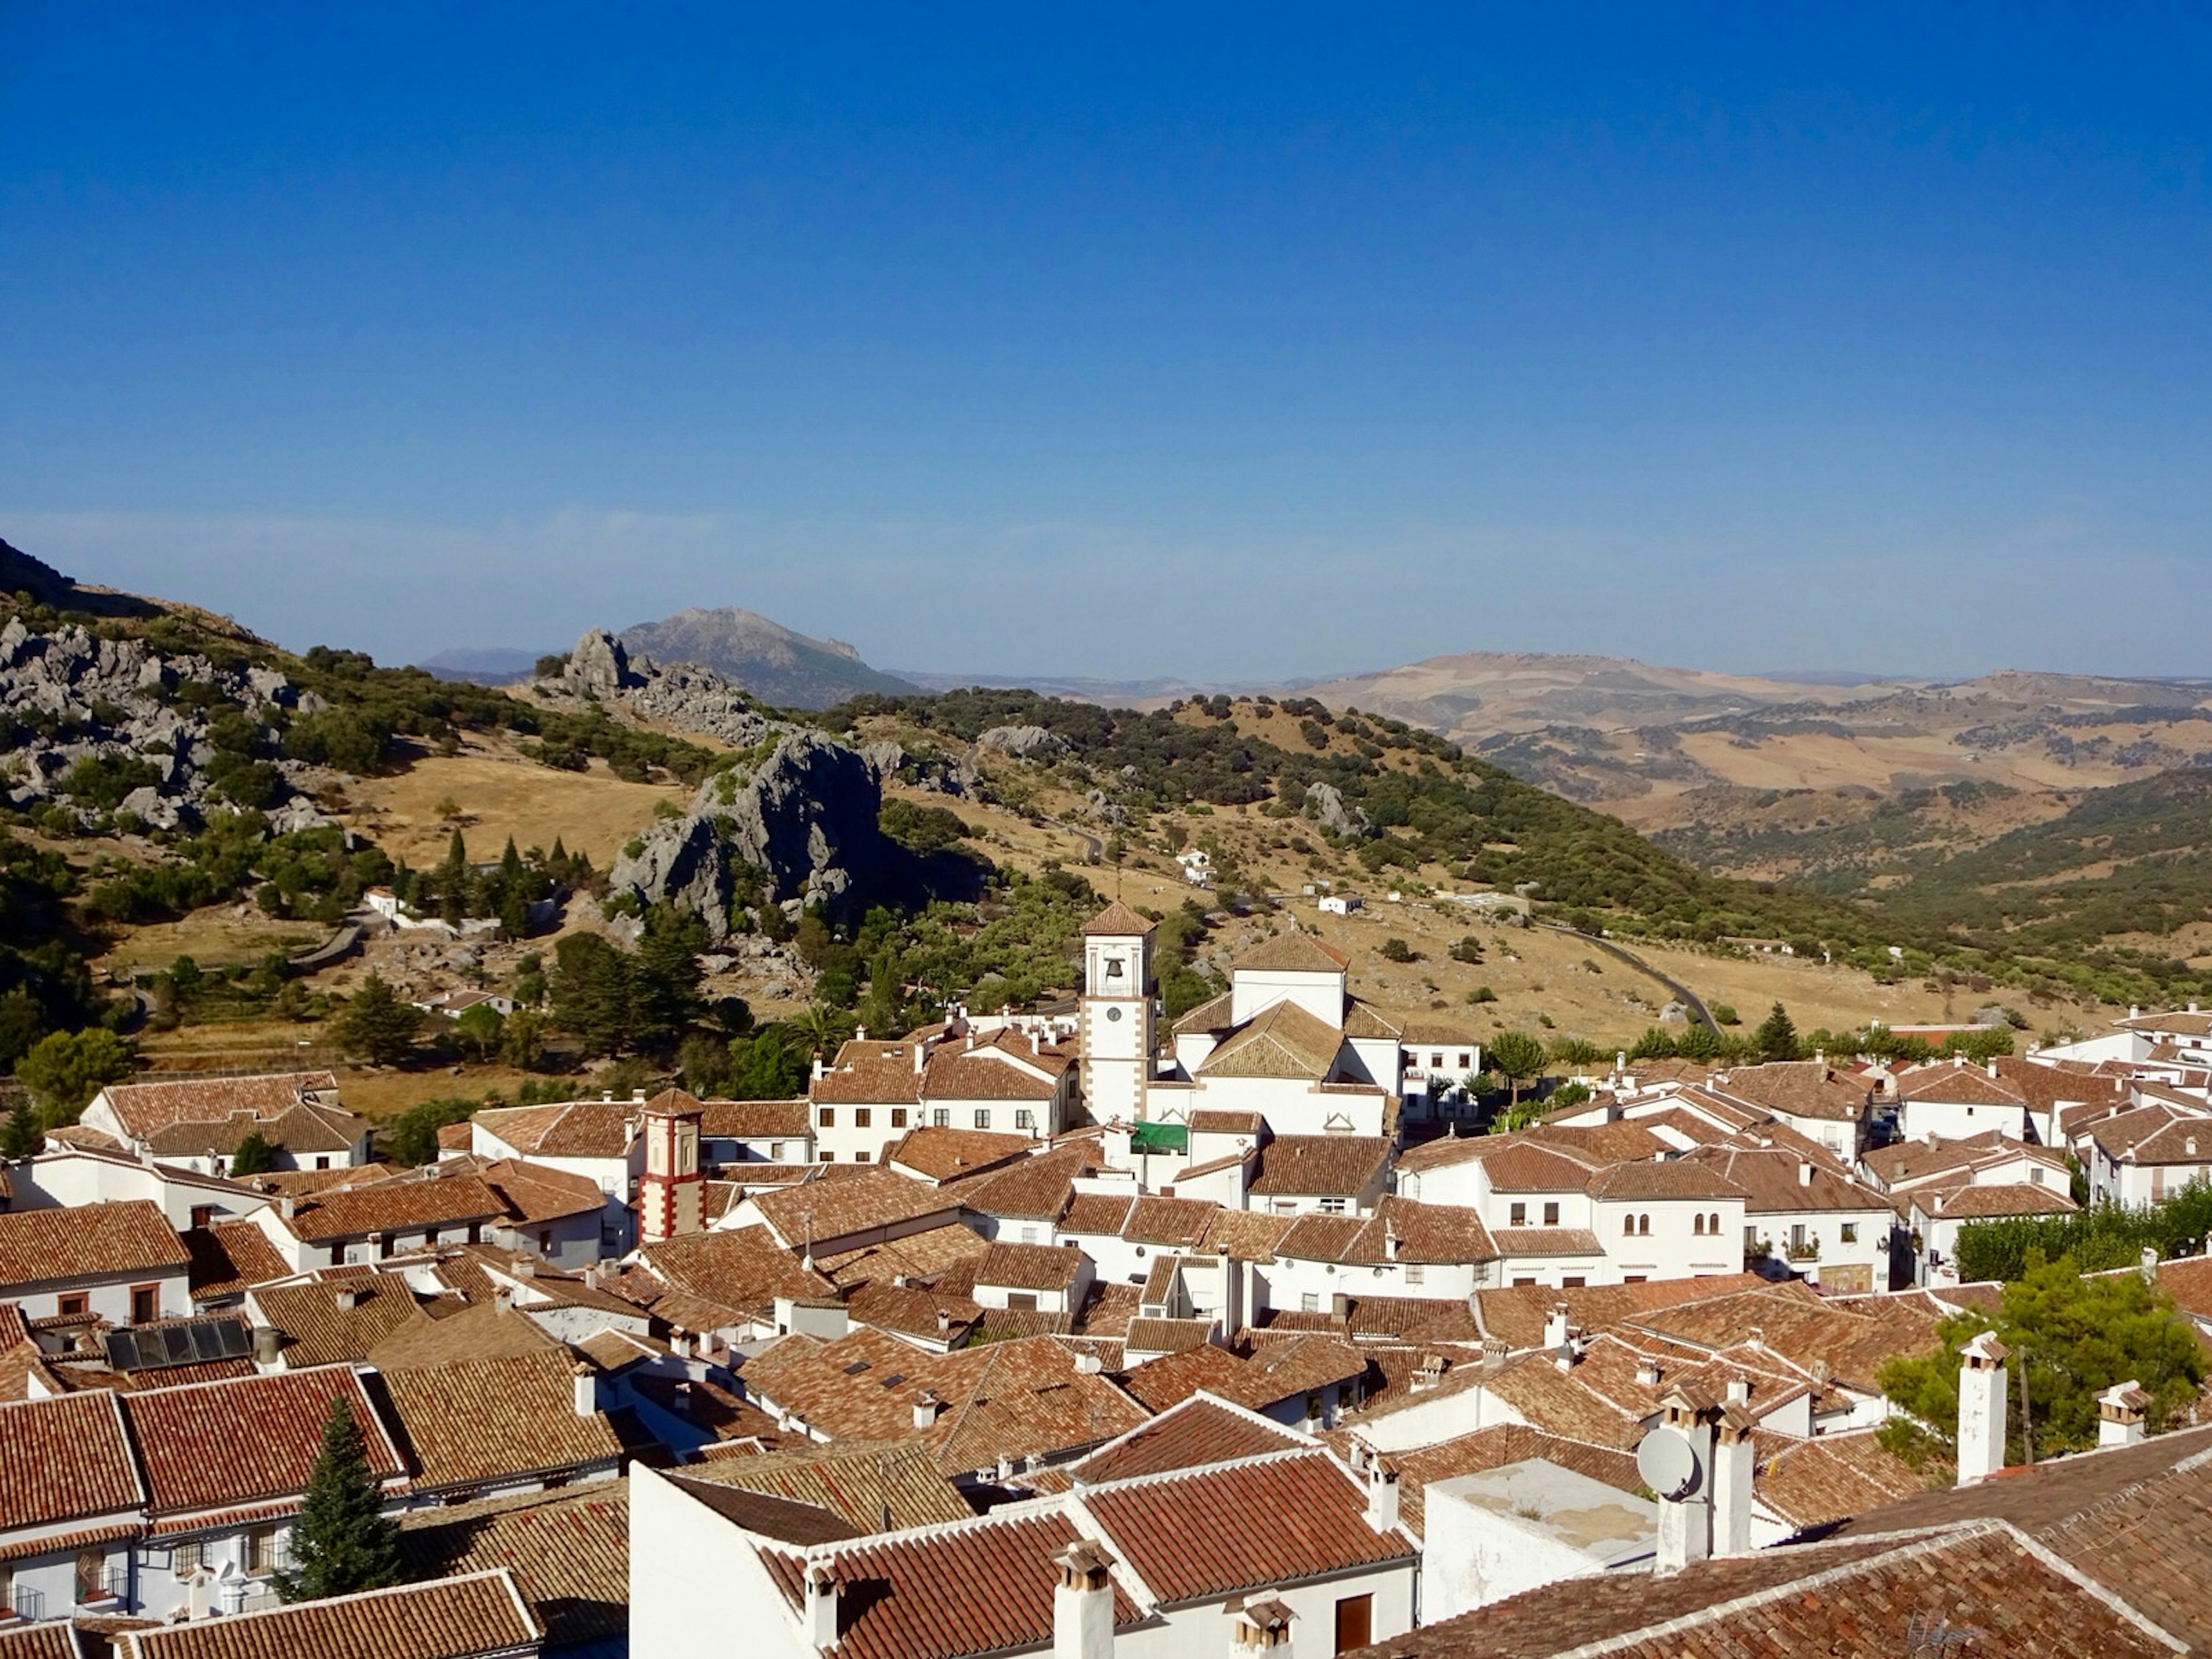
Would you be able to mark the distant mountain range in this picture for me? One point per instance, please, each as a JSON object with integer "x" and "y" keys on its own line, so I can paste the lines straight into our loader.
{"x": 777, "y": 665}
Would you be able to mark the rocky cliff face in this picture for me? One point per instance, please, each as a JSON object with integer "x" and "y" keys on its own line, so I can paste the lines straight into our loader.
{"x": 68, "y": 696}
{"x": 601, "y": 669}
{"x": 801, "y": 828}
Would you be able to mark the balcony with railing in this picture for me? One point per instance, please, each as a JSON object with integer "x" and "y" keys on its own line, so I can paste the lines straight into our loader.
{"x": 28, "y": 1604}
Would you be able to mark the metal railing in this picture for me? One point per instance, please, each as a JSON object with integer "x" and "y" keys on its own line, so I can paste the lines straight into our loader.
{"x": 28, "y": 1604}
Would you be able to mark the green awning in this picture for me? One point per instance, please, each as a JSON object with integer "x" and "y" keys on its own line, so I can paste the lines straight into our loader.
{"x": 1159, "y": 1138}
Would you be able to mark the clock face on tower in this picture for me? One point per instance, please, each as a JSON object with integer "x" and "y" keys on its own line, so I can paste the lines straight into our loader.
{"x": 1113, "y": 1014}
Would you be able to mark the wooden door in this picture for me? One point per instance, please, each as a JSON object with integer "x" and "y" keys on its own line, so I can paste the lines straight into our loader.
{"x": 1355, "y": 1622}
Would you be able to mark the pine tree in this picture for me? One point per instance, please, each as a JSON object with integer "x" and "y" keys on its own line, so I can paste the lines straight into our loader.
{"x": 378, "y": 1026}
{"x": 23, "y": 1135}
{"x": 1777, "y": 1036}
{"x": 342, "y": 1541}
{"x": 254, "y": 1155}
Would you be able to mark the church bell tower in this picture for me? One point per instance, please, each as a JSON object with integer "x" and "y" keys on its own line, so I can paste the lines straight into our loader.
{"x": 1116, "y": 1012}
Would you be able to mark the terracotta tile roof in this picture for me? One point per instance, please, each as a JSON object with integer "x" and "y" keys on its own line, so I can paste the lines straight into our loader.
{"x": 1293, "y": 952}
{"x": 535, "y": 1193}
{"x": 483, "y": 1613}
{"x": 483, "y": 1331}
{"x": 1283, "y": 1041}
{"x": 229, "y": 1257}
{"x": 1797, "y": 1088}
{"x": 1982, "y": 1200}
{"x": 1212, "y": 1015}
{"x": 1493, "y": 1448}
{"x": 1546, "y": 1241}
{"x": 1399, "y": 1231}
{"x": 1178, "y": 1222}
{"x": 52, "y": 1544}
{"x": 1810, "y": 1482}
{"x": 1163, "y": 1383}
{"x": 478, "y": 1420}
{"x": 54, "y": 1640}
{"x": 1513, "y": 1163}
{"x": 1197, "y": 1433}
{"x": 1096, "y": 1214}
{"x": 870, "y": 1074}
{"x": 755, "y": 1119}
{"x": 88, "y": 1241}
{"x": 912, "y": 1311}
{"x": 63, "y": 1459}
{"x": 1246, "y": 1234}
{"x": 212, "y": 1445}
{"x": 1118, "y": 920}
{"x": 1025, "y": 1397}
{"x": 1906, "y": 1161}
{"x": 741, "y": 1267}
{"x": 407, "y": 1204}
{"x": 2045, "y": 1086}
{"x": 1774, "y": 1181}
{"x": 1218, "y": 1120}
{"x": 569, "y": 1128}
{"x": 1293, "y": 1365}
{"x": 985, "y": 1587}
{"x": 1516, "y": 1314}
{"x": 1674, "y": 1178}
{"x": 1194, "y": 1535}
{"x": 928, "y": 1254}
{"x": 143, "y": 1108}
{"x": 1034, "y": 1190}
{"x": 302, "y": 1129}
{"x": 872, "y": 1488}
{"x": 951, "y": 1075}
{"x": 942, "y": 1154}
{"x": 1030, "y": 1267}
{"x": 1330, "y": 1166}
{"x": 1956, "y": 1082}
{"x": 1870, "y": 1596}
{"x": 1109, "y": 1309}
{"x": 568, "y": 1550}
{"x": 316, "y": 1330}
{"x": 827, "y": 1209}
{"x": 1853, "y": 1337}
{"x": 2178, "y": 1022}
{"x": 1364, "y": 1019}
{"x": 1167, "y": 1336}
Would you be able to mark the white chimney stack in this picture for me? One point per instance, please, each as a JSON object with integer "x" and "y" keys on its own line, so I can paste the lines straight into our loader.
{"x": 349, "y": 1298}
{"x": 2120, "y": 1415}
{"x": 819, "y": 1609}
{"x": 1686, "y": 1516}
{"x": 1083, "y": 1602}
{"x": 1734, "y": 1460}
{"x": 1555, "y": 1328}
{"x": 1981, "y": 1410}
{"x": 1804, "y": 1172}
{"x": 1381, "y": 1495}
{"x": 925, "y": 1409}
{"x": 586, "y": 1398}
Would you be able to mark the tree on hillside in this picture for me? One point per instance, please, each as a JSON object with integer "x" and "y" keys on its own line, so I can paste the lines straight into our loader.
{"x": 254, "y": 1155}
{"x": 480, "y": 1025}
{"x": 2076, "y": 1336}
{"x": 665, "y": 975}
{"x": 22, "y": 1135}
{"x": 522, "y": 1039}
{"x": 377, "y": 1025}
{"x": 342, "y": 1541}
{"x": 1700, "y": 1042}
{"x": 1777, "y": 1036}
{"x": 590, "y": 992}
{"x": 65, "y": 1069}
{"x": 1516, "y": 1057}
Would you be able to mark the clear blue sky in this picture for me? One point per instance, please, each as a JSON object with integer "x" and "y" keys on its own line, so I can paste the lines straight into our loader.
{"x": 1225, "y": 343}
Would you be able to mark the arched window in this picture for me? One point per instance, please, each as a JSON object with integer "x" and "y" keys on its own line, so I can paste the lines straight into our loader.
{"x": 1643, "y": 1226}
{"x": 1698, "y": 1225}
{"x": 1628, "y": 1226}
{"x": 1714, "y": 1225}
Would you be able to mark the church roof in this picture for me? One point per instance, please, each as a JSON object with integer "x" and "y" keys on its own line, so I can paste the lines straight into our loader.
{"x": 1293, "y": 953}
{"x": 1284, "y": 1040}
{"x": 1116, "y": 921}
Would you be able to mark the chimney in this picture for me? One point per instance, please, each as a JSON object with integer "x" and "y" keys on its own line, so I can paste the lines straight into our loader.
{"x": 2120, "y": 1415}
{"x": 2148, "y": 1265}
{"x": 586, "y": 1395}
{"x": 1390, "y": 1233}
{"x": 819, "y": 1608}
{"x": 1381, "y": 1495}
{"x": 926, "y": 1407}
{"x": 1089, "y": 1363}
{"x": 860, "y": 1034}
{"x": 1555, "y": 1327}
{"x": 1083, "y": 1602}
{"x": 1734, "y": 1459}
{"x": 921, "y": 1054}
{"x": 349, "y": 1298}
{"x": 287, "y": 1206}
{"x": 503, "y": 1298}
{"x": 267, "y": 1340}
{"x": 1804, "y": 1172}
{"x": 591, "y": 1276}
{"x": 1429, "y": 1372}
{"x": 1686, "y": 1514}
{"x": 1981, "y": 1410}
{"x": 1494, "y": 1352}
{"x": 637, "y": 1096}
{"x": 1648, "y": 1372}
{"x": 1262, "y": 1625}
{"x": 525, "y": 1267}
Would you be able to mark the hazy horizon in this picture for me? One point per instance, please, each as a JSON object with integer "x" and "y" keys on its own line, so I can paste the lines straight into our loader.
{"x": 1230, "y": 346}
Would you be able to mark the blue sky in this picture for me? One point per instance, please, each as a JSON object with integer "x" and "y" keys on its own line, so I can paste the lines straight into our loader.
{"x": 1226, "y": 342}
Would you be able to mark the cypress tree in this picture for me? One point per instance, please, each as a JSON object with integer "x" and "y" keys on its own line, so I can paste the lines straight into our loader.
{"x": 343, "y": 1541}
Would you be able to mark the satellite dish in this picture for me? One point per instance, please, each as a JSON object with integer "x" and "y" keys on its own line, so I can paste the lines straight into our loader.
{"x": 1668, "y": 1464}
